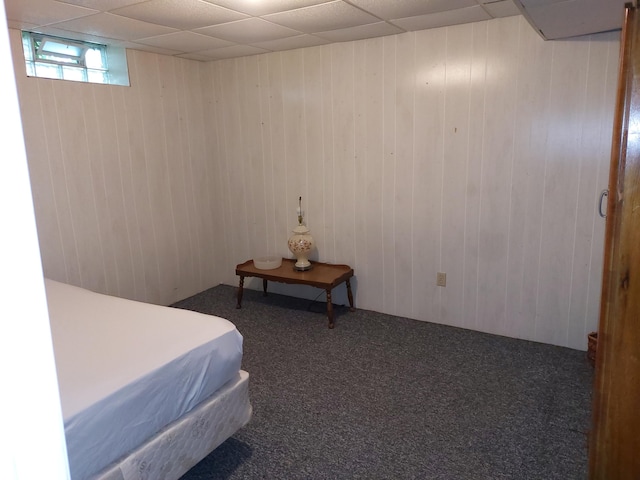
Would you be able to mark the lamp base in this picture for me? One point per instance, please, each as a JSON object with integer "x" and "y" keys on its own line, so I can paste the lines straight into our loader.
{"x": 300, "y": 244}
{"x": 302, "y": 268}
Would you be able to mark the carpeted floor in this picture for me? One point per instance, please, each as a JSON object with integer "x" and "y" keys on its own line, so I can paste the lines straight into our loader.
{"x": 382, "y": 397}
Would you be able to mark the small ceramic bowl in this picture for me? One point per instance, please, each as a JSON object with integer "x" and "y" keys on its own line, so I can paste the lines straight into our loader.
{"x": 267, "y": 263}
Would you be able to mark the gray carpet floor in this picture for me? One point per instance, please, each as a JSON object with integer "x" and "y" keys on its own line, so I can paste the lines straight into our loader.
{"x": 383, "y": 397}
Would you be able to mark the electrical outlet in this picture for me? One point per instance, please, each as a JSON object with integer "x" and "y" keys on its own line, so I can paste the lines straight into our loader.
{"x": 441, "y": 279}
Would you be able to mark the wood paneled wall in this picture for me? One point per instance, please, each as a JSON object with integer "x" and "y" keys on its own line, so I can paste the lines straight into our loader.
{"x": 478, "y": 150}
{"x": 124, "y": 187}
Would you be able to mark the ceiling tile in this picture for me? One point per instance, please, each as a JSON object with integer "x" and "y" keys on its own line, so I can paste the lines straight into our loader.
{"x": 505, "y": 8}
{"x": 180, "y": 14}
{"x": 559, "y": 19}
{"x": 442, "y": 19}
{"x": 195, "y": 56}
{"x": 20, "y": 25}
{"x": 184, "y": 41}
{"x": 322, "y": 17}
{"x": 85, "y": 37}
{"x": 148, "y": 48}
{"x": 43, "y": 12}
{"x": 257, "y": 8}
{"x": 379, "y": 29}
{"x": 540, "y": 3}
{"x": 386, "y": 9}
{"x": 250, "y": 30}
{"x": 102, "y": 5}
{"x": 233, "y": 51}
{"x": 114, "y": 26}
{"x": 289, "y": 43}
{"x": 109, "y": 41}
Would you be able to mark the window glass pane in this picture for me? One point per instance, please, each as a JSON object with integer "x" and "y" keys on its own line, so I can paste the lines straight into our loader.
{"x": 57, "y": 59}
{"x": 53, "y": 46}
{"x": 97, "y": 76}
{"x": 31, "y": 69}
{"x": 48, "y": 71}
{"x": 26, "y": 46}
{"x": 94, "y": 59}
{"x": 74, "y": 73}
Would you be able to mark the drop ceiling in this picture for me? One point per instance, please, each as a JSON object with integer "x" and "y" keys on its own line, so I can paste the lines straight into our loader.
{"x": 214, "y": 29}
{"x": 557, "y": 19}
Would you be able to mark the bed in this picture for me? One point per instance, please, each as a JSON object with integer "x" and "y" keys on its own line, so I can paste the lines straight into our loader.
{"x": 146, "y": 391}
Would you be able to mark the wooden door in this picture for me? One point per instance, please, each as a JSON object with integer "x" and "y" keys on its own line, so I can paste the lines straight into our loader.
{"x": 615, "y": 438}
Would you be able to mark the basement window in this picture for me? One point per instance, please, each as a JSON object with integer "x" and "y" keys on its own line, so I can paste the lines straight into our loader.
{"x": 47, "y": 56}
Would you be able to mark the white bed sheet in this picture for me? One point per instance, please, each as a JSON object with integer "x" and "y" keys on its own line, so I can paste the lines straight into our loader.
{"x": 127, "y": 369}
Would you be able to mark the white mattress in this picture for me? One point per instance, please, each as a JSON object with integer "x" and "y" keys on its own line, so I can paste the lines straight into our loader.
{"x": 127, "y": 369}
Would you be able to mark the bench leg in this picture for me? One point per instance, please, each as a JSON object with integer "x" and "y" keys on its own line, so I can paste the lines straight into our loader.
{"x": 240, "y": 288}
{"x": 329, "y": 308}
{"x": 352, "y": 307}
{"x": 264, "y": 287}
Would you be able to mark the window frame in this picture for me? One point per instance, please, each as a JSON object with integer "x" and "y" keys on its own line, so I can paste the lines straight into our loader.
{"x": 73, "y": 66}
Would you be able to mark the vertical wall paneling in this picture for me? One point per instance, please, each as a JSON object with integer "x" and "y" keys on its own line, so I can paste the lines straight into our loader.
{"x": 60, "y": 191}
{"x": 294, "y": 136}
{"x": 186, "y": 218}
{"x": 496, "y": 173}
{"x": 587, "y": 149}
{"x": 371, "y": 84}
{"x": 235, "y": 159}
{"x": 122, "y": 180}
{"x": 428, "y": 171}
{"x": 208, "y": 182}
{"x": 70, "y": 104}
{"x": 563, "y": 175}
{"x": 244, "y": 171}
{"x": 284, "y": 216}
{"x": 158, "y": 136}
{"x": 173, "y": 143}
{"x": 118, "y": 197}
{"x": 359, "y": 189}
{"x": 477, "y": 150}
{"x": 44, "y": 190}
{"x": 132, "y": 250}
{"x": 314, "y": 148}
{"x": 524, "y": 194}
{"x": 151, "y": 177}
{"x": 213, "y": 211}
{"x": 250, "y": 102}
{"x": 220, "y": 159}
{"x": 388, "y": 175}
{"x": 473, "y": 174}
{"x": 530, "y": 143}
{"x": 105, "y": 186}
{"x": 137, "y": 164}
{"x": 271, "y": 238}
{"x": 234, "y": 156}
{"x": 459, "y": 42}
{"x": 326, "y": 240}
{"x": 404, "y": 118}
{"x": 343, "y": 125}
